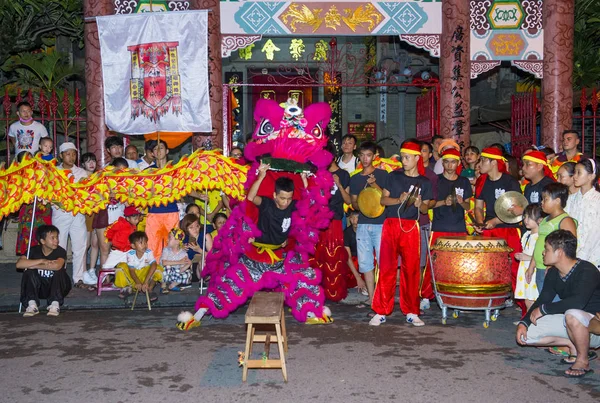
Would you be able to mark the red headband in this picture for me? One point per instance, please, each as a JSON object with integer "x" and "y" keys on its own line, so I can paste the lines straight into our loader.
{"x": 539, "y": 158}
{"x": 495, "y": 154}
{"x": 414, "y": 149}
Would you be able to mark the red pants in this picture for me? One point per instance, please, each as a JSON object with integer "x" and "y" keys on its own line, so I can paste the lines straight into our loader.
{"x": 331, "y": 259}
{"x": 513, "y": 239}
{"x": 426, "y": 289}
{"x": 399, "y": 238}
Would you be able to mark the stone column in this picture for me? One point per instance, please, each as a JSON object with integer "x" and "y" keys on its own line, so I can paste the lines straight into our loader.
{"x": 557, "y": 84}
{"x": 455, "y": 71}
{"x": 94, "y": 89}
{"x": 215, "y": 67}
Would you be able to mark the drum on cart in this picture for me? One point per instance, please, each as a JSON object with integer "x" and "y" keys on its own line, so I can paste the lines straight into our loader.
{"x": 471, "y": 273}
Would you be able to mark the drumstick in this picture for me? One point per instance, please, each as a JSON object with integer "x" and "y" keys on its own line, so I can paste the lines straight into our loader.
{"x": 474, "y": 220}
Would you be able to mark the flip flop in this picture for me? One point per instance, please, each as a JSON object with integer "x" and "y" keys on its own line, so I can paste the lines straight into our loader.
{"x": 175, "y": 289}
{"x": 570, "y": 360}
{"x": 558, "y": 352}
{"x": 581, "y": 372}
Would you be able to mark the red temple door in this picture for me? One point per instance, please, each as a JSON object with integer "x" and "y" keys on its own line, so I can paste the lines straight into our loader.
{"x": 263, "y": 88}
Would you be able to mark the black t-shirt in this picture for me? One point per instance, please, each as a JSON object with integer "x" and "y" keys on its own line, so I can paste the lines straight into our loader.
{"x": 350, "y": 240}
{"x": 433, "y": 178}
{"x": 579, "y": 290}
{"x": 36, "y": 253}
{"x": 358, "y": 183}
{"x": 336, "y": 203}
{"x": 273, "y": 222}
{"x": 448, "y": 218}
{"x": 533, "y": 193}
{"x": 399, "y": 183}
{"x": 494, "y": 189}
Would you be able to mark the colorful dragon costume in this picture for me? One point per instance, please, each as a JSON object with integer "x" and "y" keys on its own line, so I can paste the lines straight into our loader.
{"x": 295, "y": 139}
{"x": 33, "y": 177}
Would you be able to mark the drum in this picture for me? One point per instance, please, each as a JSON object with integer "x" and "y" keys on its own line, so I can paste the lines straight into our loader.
{"x": 467, "y": 268}
{"x": 369, "y": 202}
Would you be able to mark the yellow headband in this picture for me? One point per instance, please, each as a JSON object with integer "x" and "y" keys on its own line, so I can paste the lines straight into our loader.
{"x": 493, "y": 157}
{"x": 450, "y": 157}
{"x": 536, "y": 160}
{"x": 408, "y": 151}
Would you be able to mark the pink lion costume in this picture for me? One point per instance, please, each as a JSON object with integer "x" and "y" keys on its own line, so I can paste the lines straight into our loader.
{"x": 237, "y": 271}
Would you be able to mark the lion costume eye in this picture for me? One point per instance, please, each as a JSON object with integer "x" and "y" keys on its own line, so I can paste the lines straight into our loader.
{"x": 266, "y": 128}
{"x": 317, "y": 131}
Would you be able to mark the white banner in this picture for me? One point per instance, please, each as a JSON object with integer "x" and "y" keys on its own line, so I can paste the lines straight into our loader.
{"x": 155, "y": 71}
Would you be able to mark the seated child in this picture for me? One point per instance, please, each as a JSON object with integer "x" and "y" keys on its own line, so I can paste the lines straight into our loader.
{"x": 118, "y": 235}
{"x": 46, "y": 144}
{"x": 177, "y": 265}
{"x": 140, "y": 270}
{"x": 45, "y": 274}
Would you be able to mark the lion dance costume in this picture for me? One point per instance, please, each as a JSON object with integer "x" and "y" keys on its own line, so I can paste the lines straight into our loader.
{"x": 294, "y": 140}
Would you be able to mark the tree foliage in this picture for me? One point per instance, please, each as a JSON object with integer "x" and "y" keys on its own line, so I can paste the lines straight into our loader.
{"x": 586, "y": 50}
{"x": 28, "y": 25}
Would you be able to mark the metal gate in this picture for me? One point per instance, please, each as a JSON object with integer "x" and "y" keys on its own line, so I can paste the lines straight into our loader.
{"x": 584, "y": 120}
{"x": 524, "y": 110}
{"x": 428, "y": 115}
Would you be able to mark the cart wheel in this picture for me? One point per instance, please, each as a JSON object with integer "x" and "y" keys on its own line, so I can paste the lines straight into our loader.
{"x": 443, "y": 321}
{"x": 455, "y": 314}
{"x": 494, "y": 318}
{"x": 486, "y": 324}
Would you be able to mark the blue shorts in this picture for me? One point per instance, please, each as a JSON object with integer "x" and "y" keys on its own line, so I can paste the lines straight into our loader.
{"x": 368, "y": 239}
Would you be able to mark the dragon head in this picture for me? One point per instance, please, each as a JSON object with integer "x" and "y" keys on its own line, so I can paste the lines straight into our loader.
{"x": 290, "y": 133}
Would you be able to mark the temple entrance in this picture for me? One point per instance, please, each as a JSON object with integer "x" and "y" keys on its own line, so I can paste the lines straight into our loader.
{"x": 293, "y": 89}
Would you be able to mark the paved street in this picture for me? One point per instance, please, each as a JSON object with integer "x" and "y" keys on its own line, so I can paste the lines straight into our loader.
{"x": 139, "y": 356}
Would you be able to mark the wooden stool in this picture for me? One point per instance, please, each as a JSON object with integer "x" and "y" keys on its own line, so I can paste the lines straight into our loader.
{"x": 266, "y": 308}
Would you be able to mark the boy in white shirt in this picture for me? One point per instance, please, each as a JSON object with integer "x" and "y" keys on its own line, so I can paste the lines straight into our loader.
{"x": 26, "y": 133}
{"x": 140, "y": 270}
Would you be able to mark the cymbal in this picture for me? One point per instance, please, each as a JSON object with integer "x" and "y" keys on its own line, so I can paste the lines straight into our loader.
{"x": 412, "y": 196}
{"x": 369, "y": 202}
{"x": 453, "y": 197}
{"x": 506, "y": 201}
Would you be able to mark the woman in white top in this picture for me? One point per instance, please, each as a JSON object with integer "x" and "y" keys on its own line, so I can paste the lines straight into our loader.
{"x": 565, "y": 176}
{"x": 585, "y": 209}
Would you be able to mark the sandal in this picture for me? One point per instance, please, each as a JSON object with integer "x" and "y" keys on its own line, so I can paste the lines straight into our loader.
{"x": 572, "y": 358}
{"x": 175, "y": 289}
{"x": 124, "y": 294}
{"x": 153, "y": 297}
{"x": 579, "y": 372}
{"x": 80, "y": 285}
{"x": 557, "y": 351}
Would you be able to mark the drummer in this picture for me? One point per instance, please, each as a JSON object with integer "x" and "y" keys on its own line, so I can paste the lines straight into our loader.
{"x": 454, "y": 192}
{"x": 492, "y": 184}
{"x": 368, "y": 231}
{"x": 401, "y": 237}
{"x": 450, "y": 203}
{"x": 538, "y": 173}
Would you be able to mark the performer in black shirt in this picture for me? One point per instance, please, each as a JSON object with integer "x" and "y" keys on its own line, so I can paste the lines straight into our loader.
{"x": 493, "y": 183}
{"x": 401, "y": 237}
{"x": 453, "y": 194}
{"x": 538, "y": 173}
